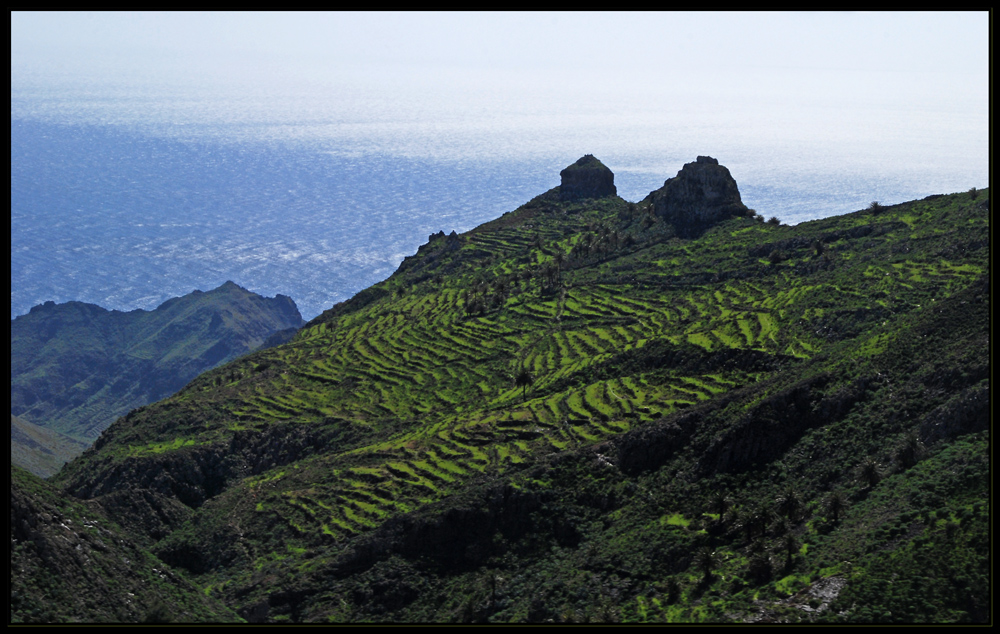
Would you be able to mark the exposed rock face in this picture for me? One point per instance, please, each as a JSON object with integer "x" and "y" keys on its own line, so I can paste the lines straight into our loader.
{"x": 587, "y": 178}
{"x": 702, "y": 194}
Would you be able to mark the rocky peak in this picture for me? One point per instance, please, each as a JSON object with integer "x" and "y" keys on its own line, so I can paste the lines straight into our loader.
{"x": 702, "y": 194}
{"x": 587, "y": 178}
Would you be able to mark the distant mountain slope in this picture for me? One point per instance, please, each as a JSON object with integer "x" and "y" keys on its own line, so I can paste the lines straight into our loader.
{"x": 590, "y": 409}
{"x": 70, "y": 564}
{"x": 39, "y": 450}
{"x": 76, "y": 367}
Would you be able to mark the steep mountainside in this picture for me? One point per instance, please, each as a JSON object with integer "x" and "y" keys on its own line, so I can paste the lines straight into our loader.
{"x": 39, "y": 450}
{"x": 69, "y": 563}
{"x": 591, "y": 409}
{"x": 76, "y": 367}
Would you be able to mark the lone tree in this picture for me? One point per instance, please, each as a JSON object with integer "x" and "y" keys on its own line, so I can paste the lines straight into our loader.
{"x": 707, "y": 561}
{"x": 868, "y": 472}
{"x": 719, "y": 503}
{"x": 909, "y": 451}
{"x": 523, "y": 380}
{"x": 835, "y": 505}
{"x": 789, "y": 544}
{"x": 789, "y": 503}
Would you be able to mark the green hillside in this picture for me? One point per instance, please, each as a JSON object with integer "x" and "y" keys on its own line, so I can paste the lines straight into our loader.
{"x": 71, "y": 564}
{"x": 75, "y": 367}
{"x": 39, "y": 450}
{"x": 597, "y": 410}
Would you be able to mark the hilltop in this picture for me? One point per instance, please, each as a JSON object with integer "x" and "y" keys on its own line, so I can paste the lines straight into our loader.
{"x": 591, "y": 409}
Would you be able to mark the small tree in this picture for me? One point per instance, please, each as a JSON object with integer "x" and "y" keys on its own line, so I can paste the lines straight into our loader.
{"x": 762, "y": 516}
{"x": 973, "y": 193}
{"x": 875, "y": 207}
{"x": 789, "y": 544}
{"x": 672, "y": 590}
{"x": 835, "y": 505}
{"x": 759, "y": 568}
{"x": 789, "y": 503}
{"x": 909, "y": 452}
{"x": 720, "y": 503}
{"x": 523, "y": 380}
{"x": 707, "y": 561}
{"x": 773, "y": 220}
{"x": 868, "y": 472}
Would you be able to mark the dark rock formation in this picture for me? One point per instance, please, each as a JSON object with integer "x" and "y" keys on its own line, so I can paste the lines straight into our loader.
{"x": 702, "y": 194}
{"x": 587, "y": 178}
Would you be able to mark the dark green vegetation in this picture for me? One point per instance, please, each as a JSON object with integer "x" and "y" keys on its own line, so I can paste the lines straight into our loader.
{"x": 76, "y": 367}
{"x": 70, "y": 564}
{"x": 572, "y": 414}
{"x": 39, "y": 450}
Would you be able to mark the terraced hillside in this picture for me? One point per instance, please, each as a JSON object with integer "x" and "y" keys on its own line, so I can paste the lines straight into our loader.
{"x": 534, "y": 401}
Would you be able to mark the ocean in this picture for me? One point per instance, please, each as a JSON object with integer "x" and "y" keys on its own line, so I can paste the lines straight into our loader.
{"x": 128, "y": 211}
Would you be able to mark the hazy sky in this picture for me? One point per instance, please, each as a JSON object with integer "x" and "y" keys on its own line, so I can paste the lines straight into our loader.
{"x": 615, "y": 42}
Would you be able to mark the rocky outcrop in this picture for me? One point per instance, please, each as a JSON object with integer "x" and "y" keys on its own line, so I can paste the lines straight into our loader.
{"x": 702, "y": 194}
{"x": 587, "y": 178}
{"x": 965, "y": 413}
{"x": 769, "y": 428}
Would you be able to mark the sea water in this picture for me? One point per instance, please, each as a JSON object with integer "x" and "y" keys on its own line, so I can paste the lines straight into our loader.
{"x": 126, "y": 200}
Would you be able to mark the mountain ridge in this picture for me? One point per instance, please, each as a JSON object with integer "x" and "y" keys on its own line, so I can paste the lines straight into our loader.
{"x": 591, "y": 409}
{"x": 75, "y": 367}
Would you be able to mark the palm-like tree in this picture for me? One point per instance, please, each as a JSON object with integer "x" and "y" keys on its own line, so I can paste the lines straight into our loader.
{"x": 790, "y": 545}
{"x": 869, "y": 473}
{"x": 835, "y": 505}
{"x": 909, "y": 452}
{"x": 523, "y": 380}
{"x": 672, "y": 590}
{"x": 707, "y": 561}
{"x": 720, "y": 503}
{"x": 761, "y": 516}
{"x": 789, "y": 503}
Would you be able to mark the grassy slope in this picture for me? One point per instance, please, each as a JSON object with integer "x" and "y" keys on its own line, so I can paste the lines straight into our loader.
{"x": 39, "y": 450}
{"x": 751, "y": 361}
